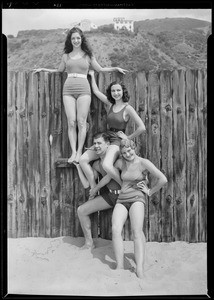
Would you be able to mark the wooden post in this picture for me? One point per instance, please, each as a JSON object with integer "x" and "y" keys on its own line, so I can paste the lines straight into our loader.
{"x": 202, "y": 222}
{"x": 153, "y": 143}
{"x": 12, "y": 149}
{"x": 179, "y": 155}
{"x": 44, "y": 154}
{"x": 141, "y": 108}
{"x": 192, "y": 156}
{"x": 55, "y": 140}
{"x": 33, "y": 155}
{"x": 166, "y": 155}
{"x": 21, "y": 156}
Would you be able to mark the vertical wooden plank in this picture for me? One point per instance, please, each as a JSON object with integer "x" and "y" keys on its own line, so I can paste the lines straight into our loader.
{"x": 103, "y": 218}
{"x": 192, "y": 156}
{"x": 202, "y": 224}
{"x": 67, "y": 204}
{"x": 21, "y": 155}
{"x": 33, "y": 154}
{"x": 141, "y": 108}
{"x": 129, "y": 81}
{"x": 153, "y": 144}
{"x": 11, "y": 147}
{"x": 166, "y": 155}
{"x": 179, "y": 155}
{"x": 44, "y": 156}
{"x": 204, "y": 238}
{"x": 56, "y": 150}
{"x": 106, "y": 224}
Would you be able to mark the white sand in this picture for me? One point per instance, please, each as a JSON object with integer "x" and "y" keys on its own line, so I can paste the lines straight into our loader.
{"x": 57, "y": 266}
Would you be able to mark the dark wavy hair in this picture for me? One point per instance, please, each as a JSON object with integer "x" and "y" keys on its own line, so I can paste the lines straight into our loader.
{"x": 84, "y": 45}
{"x": 125, "y": 92}
{"x": 104, "y": 135}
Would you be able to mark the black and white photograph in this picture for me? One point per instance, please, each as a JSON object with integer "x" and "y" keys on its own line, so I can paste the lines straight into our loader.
{"x": 107, "y": 151}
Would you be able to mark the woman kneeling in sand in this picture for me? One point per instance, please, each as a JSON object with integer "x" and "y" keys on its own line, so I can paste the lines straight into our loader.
{"x": 134, "y": 170}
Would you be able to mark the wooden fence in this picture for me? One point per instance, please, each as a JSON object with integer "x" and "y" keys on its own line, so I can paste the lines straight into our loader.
{"x": 43, "y": 197}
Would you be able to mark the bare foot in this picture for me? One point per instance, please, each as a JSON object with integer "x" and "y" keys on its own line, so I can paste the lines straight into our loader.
{"x": 77, "y": 158}
{"x": 72, "y": 158}
{"x": 88, "y": 246}
{"x": 140, "y": 273}
{"x": 119, "y": 267}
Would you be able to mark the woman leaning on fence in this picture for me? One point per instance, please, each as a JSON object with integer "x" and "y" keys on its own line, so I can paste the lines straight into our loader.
{"x": 77, "y": 60}
{"x": 131, "y": 200}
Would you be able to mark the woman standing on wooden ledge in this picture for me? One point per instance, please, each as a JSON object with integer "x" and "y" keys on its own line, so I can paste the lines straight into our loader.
{"x": 77, "y": 60}
{"x": 131, "y": 200}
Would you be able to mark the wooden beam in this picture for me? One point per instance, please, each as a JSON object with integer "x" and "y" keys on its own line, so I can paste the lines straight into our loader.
{"x": 63, "y": 163}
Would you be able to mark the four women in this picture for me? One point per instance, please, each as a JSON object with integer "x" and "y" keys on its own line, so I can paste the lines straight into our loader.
{"x": 130, "y": 170}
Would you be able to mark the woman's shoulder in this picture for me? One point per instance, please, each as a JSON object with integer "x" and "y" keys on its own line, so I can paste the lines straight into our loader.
{"x": 119, "y": 163}
{"x": 65, "y": 56}
{"x": 145, "y": 163}
{"x": 129, "y": 107}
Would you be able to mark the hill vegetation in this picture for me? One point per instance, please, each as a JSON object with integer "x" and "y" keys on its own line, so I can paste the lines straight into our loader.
{"x": 155, "y": 44}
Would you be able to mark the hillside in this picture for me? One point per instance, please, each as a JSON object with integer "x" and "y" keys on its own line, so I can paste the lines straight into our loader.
{"x": 156, "y": 44}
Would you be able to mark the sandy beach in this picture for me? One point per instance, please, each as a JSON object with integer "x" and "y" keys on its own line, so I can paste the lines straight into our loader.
{"x": 57, "y": 266}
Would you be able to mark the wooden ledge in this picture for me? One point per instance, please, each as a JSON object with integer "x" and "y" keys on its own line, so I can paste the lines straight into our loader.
{"x": 63, "y": 163}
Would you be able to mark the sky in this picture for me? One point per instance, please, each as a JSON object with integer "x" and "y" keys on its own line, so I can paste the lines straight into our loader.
{"x": 14, "y": 20}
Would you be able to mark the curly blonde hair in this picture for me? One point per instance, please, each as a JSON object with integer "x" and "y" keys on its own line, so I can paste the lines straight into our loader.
{"x": 127, "y": 143}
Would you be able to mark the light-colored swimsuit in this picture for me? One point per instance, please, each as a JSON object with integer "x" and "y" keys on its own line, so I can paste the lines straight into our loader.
{"x": 130, "y": 176}
{"x": 76, "y": 86}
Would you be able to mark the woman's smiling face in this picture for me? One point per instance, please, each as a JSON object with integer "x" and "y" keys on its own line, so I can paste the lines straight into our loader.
{"x": 128, "y": 153}
{"x": 76, "y": 39}
{"x": 116, "y": 92}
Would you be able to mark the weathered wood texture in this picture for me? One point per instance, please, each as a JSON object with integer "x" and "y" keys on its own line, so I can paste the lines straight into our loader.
{"x": 44, "y": 191}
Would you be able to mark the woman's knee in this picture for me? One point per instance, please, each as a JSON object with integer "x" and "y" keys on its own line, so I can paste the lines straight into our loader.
{"x": 116, "y": 230}
{"x": 137, "y": 233}
{"x": 84, "y": 160}
{"x": 81, "y": 211}
{"x": 81, "y": 122}
{"x": 72, "y": 124}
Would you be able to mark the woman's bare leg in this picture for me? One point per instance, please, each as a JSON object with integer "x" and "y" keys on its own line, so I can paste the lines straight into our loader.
{"x": 88, "y": 156}
{"x": 136, "y": 214}
{"x": 108, "y": 163}
{"x": 83, "y": 106}
{"x": 119, "y": 217}
{"x": 70, "y": 111}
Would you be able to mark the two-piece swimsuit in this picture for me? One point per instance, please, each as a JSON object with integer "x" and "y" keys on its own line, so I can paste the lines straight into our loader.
{"x": 77, "y": 83}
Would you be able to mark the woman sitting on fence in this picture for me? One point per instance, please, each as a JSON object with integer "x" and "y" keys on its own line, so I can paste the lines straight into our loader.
{"x": 131, "y": 200}
{"x": 76, "y": 61}
{"x": 119, "y": 113}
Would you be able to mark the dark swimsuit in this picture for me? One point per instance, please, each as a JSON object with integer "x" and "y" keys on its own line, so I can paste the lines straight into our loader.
{"x": 110, "y": 191}
{"x": 115, "y": 123}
